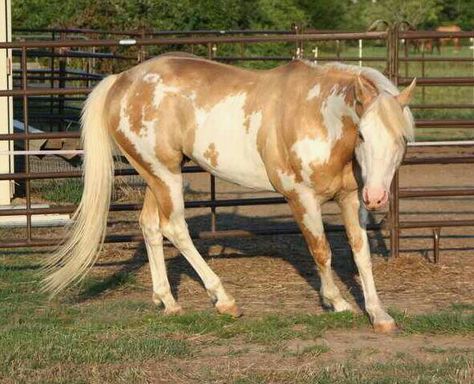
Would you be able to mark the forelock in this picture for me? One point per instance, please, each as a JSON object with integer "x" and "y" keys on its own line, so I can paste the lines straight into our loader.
{"x": 396, "y": 118}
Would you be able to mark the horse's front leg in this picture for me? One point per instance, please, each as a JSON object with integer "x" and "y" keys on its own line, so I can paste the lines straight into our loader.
{"x": 307, "y": 212}
{"x": 357, "y": 235}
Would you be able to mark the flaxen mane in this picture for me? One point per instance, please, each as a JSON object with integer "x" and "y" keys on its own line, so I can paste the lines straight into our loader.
{"x": 401, "y": 123}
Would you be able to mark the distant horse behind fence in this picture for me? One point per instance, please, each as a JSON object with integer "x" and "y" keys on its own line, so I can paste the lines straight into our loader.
{"x": 450, "y": 28}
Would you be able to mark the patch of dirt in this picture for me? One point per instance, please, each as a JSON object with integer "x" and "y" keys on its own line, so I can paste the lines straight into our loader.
{"x": 225, "y": 363}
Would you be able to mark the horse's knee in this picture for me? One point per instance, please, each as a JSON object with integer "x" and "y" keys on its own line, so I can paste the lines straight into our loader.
{"x": 151, "y": 229}
{"x": 175, "y": 231}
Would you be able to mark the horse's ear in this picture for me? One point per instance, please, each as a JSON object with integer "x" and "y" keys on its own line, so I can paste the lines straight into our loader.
{"x": 406, "y": 95}
{"x": 365, "y": 92}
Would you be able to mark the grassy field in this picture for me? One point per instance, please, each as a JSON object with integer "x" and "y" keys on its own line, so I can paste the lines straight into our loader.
{"x": 86, "y": 338}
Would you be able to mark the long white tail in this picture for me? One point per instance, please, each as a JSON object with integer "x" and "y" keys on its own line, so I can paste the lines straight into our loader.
{"x": 73, "y": 259}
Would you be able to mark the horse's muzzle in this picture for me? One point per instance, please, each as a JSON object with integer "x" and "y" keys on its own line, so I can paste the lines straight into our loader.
{"x": 374, "y": 197}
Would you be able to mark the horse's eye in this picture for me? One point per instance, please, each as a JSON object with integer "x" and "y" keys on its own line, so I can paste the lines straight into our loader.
{"x": 360, "y": 136}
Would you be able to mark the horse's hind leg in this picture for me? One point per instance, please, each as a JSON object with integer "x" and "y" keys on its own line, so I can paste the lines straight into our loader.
{"x": 168, "y": 191}
{"x": 150, "y": 224}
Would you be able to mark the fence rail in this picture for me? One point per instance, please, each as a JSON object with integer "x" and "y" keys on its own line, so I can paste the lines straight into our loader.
{"x": 391, "y": 38}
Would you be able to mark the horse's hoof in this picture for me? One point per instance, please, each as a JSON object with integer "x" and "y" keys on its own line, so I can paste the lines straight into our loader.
{"x": 386, "y": 327}
{"x": 229, "y": 309}
{"x": 176, "y": 310}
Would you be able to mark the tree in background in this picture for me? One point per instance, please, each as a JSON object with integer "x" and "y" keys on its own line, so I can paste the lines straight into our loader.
{"x": 237, "y": 14}
{"x": 460, "y": 12}
{"x": 328, "y": 14}
{"x": 416, "y": 12}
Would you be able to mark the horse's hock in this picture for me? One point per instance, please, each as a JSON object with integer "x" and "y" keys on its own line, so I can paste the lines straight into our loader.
{"x": 61, "y": 104}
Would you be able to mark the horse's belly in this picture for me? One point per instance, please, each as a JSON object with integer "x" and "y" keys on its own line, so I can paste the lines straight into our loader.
{"x": 225, "y": 143}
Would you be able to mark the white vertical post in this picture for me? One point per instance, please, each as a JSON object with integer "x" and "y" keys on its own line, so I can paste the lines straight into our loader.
{"x": 6, "y": 108}
{"x": 360, "y": 52}
{"x": 315, "y": 51}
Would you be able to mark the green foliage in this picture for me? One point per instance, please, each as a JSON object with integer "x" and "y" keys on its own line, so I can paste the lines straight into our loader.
{"x": 157, "y": 14}
{"x": 328, "y": 14}
{"x": 237, "y": 14}
{"x": 392, "y": 11}
{"x": 460, "y": 12}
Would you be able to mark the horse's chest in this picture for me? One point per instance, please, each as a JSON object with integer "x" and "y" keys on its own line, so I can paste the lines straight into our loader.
{"x": 225, "y": 143}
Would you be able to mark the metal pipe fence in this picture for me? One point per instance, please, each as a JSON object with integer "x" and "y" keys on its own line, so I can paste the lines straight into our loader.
{"x": 210, "y": 39}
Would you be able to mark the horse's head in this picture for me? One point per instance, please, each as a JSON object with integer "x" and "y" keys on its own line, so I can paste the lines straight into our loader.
{"x": 385, "y": 127}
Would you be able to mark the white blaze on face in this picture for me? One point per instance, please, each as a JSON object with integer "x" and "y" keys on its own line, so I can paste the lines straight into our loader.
{"x": 224, "y": 125}
{"x": 380, "y": 153}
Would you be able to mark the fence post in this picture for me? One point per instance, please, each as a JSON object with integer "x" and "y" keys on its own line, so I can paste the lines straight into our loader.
{"x": 62, "y": 74}
{"x": 6, "y": 104}
{"x": 392, "y": 51}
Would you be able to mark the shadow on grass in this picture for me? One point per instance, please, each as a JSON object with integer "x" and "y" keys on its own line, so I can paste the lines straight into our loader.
{"x": 123, "y": 277}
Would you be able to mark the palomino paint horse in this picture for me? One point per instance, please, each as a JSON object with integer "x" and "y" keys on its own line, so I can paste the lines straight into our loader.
{"x": 297, "y": 129}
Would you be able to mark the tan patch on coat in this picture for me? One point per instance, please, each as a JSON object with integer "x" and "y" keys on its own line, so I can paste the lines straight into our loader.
{"x": 211, "y": 155}
{"x": 317, "y": 245}
{"x": 160, "y": 189}
{"x": 329, "y": 178}
{"x": 355, "y": 240}
{"x": 320, "y": 249}
{"x": 350, "y": 205}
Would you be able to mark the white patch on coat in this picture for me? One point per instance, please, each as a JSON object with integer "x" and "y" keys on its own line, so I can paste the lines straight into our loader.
{"x": 312, "y": 216}
{"x": 151, "y": 78}
{"x": 312, "y": 208}
{"x": 287, "y": 181}
{"x": 332, "y": 110}
{"x": 161, "y": 90}
{"x": 255, "y": 121}
{"x": 314, "y": 92}
{"x": 317, "y": 150}
{"x": 224, "y": 125}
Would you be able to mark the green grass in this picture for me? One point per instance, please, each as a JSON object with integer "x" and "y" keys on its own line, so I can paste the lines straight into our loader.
{"x": 37, "y": 335}
{"x": 312, "y": 350}
{"x": 403, "y": 370}
{"x": 61, "y": 191}
{"x": 452, "y": 321}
